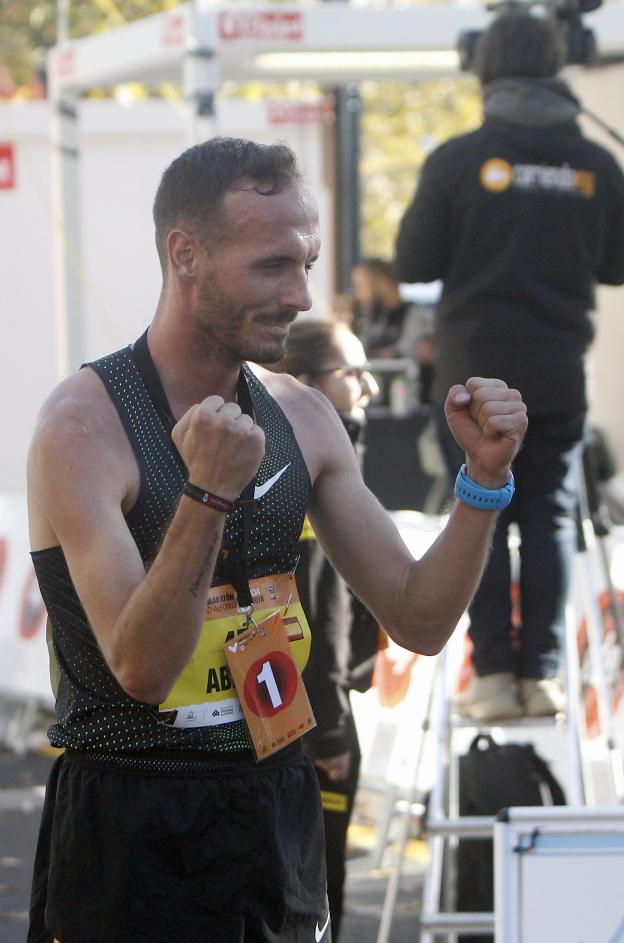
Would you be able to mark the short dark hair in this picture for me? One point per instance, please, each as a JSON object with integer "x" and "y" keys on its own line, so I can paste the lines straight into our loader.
{"x": 519, "y": 45}
{"x": 194, "y": 184}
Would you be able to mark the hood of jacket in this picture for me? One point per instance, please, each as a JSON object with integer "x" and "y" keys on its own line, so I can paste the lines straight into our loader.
{"x": 533, "y": 103}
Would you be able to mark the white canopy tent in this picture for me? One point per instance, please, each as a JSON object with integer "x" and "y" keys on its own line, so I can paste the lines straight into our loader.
{"x": 198, "y": 46}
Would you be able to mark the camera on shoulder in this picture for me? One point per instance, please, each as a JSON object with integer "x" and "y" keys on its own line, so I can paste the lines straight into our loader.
{"x": 580, "y": 42}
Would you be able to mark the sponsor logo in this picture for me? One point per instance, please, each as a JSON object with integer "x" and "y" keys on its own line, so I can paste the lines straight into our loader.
{"x": 261, "y": 490}
{"x": 290, "y": 112}
{"x": 319, "y": 934}
{"x": 285, "y": 27}
{"x": 498, "y": 175}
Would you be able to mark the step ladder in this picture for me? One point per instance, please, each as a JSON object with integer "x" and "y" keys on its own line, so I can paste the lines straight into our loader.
{"x": 562, "y": 741}
{"x": 445, "y": 826}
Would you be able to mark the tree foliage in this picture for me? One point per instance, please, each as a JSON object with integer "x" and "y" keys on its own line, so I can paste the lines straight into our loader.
{"x": 28, "y": 30}
{"x": 401, "y": 124}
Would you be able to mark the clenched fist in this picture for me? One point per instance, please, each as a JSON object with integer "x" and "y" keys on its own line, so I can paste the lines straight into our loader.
{"x": 221, "y": 446}
{"x": 488, "y": 421}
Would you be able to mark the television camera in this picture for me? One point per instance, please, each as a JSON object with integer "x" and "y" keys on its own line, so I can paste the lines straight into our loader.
{"x": 580, "y": 42}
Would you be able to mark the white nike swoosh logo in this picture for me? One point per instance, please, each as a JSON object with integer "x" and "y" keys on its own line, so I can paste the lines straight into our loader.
{"x": 319, "y": 934}
{"x": 261, "y": 490}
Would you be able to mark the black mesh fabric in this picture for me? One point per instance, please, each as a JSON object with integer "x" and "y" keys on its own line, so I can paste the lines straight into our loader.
{"x": 94, "y": 714}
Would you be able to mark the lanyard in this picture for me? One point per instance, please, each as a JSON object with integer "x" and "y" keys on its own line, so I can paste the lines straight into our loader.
{"x": 235, "y": 563}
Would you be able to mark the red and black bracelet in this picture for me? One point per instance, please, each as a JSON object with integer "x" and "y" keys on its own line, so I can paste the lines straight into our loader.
{"x": 208, "y": 499}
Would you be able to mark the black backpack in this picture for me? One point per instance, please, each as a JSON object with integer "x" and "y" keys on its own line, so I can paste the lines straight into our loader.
{"x": 492, "y": 777}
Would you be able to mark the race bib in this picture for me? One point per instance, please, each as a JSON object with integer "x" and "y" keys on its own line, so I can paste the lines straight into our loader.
{"x": 272, "y": 695}
{"x": 203, "y": 694}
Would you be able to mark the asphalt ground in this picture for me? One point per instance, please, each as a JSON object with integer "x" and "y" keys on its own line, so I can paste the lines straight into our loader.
{"x": 21, "y": 780}
{"x": 23, "y": 776}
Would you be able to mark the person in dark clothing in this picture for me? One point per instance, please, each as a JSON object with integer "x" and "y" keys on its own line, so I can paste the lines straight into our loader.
{"x": 520, "y": 219}
{"x": 326, "y": 355}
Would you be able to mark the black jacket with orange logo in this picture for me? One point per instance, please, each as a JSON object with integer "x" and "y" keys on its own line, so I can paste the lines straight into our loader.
{"x": 520, "y": 219}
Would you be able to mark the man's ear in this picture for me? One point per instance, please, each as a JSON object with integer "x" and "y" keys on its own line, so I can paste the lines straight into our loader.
{"x": 182, "y": 253}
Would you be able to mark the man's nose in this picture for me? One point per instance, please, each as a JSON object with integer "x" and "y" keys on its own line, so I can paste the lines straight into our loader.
{"x": 296, "y": 293}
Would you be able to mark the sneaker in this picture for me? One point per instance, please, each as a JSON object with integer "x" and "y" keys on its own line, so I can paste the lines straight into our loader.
{"x": 542, "y": 697}
{"x": 491, "y": 697}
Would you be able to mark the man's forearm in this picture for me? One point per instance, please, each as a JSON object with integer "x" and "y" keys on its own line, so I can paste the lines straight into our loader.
{"x": 156, "y": 633}
{"x": 440, "y": 586}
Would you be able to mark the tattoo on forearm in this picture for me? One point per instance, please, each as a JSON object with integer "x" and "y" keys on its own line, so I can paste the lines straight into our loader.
{"x": 206, "y": 565}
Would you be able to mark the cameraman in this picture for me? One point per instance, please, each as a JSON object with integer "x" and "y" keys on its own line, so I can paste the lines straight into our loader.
{"x": 520, "y": 219}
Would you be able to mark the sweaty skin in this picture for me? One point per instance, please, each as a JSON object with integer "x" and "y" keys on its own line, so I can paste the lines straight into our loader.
{"x": 224, "y": 301}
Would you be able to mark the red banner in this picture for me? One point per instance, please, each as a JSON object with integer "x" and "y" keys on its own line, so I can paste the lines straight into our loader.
{"x": 7, "y": 167}
{"x": 292, "y": 112}
{"x": 286, "y": 27}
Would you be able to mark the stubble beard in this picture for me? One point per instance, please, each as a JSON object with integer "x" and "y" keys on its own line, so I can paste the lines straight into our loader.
{"x": 269, "y": 353}
{"x": 221, "y": 330}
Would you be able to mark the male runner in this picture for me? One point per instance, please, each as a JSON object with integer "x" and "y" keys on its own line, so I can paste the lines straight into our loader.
{"x": 166, "y": 482}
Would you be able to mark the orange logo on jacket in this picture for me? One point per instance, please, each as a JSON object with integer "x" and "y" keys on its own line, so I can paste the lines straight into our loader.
{"x": 496, "y": 175}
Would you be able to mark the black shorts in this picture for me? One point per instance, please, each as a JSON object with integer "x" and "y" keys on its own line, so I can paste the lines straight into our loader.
{"x": 202, "y": 857}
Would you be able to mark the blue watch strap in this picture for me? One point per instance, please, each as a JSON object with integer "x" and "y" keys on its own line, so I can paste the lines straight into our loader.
{"x": 488, "y": 499}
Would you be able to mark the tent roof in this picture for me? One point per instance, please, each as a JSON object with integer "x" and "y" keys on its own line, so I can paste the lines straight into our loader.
{"x": 336, "y": 42}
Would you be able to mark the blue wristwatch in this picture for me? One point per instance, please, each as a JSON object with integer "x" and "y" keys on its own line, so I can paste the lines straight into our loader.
{"x": 488, "y": 499}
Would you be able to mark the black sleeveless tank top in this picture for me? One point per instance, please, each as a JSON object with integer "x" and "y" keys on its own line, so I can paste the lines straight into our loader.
{"x": 94, "y": 713}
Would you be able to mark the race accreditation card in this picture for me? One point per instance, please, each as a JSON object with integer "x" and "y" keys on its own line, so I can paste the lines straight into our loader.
{"x": 203, "y": 694}
{"x": 272, "y": 695}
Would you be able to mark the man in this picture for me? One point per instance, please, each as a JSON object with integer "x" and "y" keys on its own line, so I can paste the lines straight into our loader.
{"x": 520, "y": 219}
{"x": 172, "y": 467}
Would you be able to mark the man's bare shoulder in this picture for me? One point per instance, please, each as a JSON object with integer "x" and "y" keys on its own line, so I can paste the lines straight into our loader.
{"x": 295, "y": 396}
{"x": 314, "y": 420}
{"x": 77, "y": 409}
{"x": 79, "y": 444}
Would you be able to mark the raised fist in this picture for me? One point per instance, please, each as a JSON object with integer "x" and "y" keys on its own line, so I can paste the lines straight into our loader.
{"x": 221, "y": 446}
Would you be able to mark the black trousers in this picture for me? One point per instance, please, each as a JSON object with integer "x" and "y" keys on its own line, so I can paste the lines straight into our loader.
{"x": 543, "y": 508}
{"x": 337, "y": 798}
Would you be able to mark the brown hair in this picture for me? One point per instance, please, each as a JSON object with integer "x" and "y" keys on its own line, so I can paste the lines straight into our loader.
{"x": 311, "y": 344}
{"x": 519, "y": 45}
{"x": 193, "y": 186}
